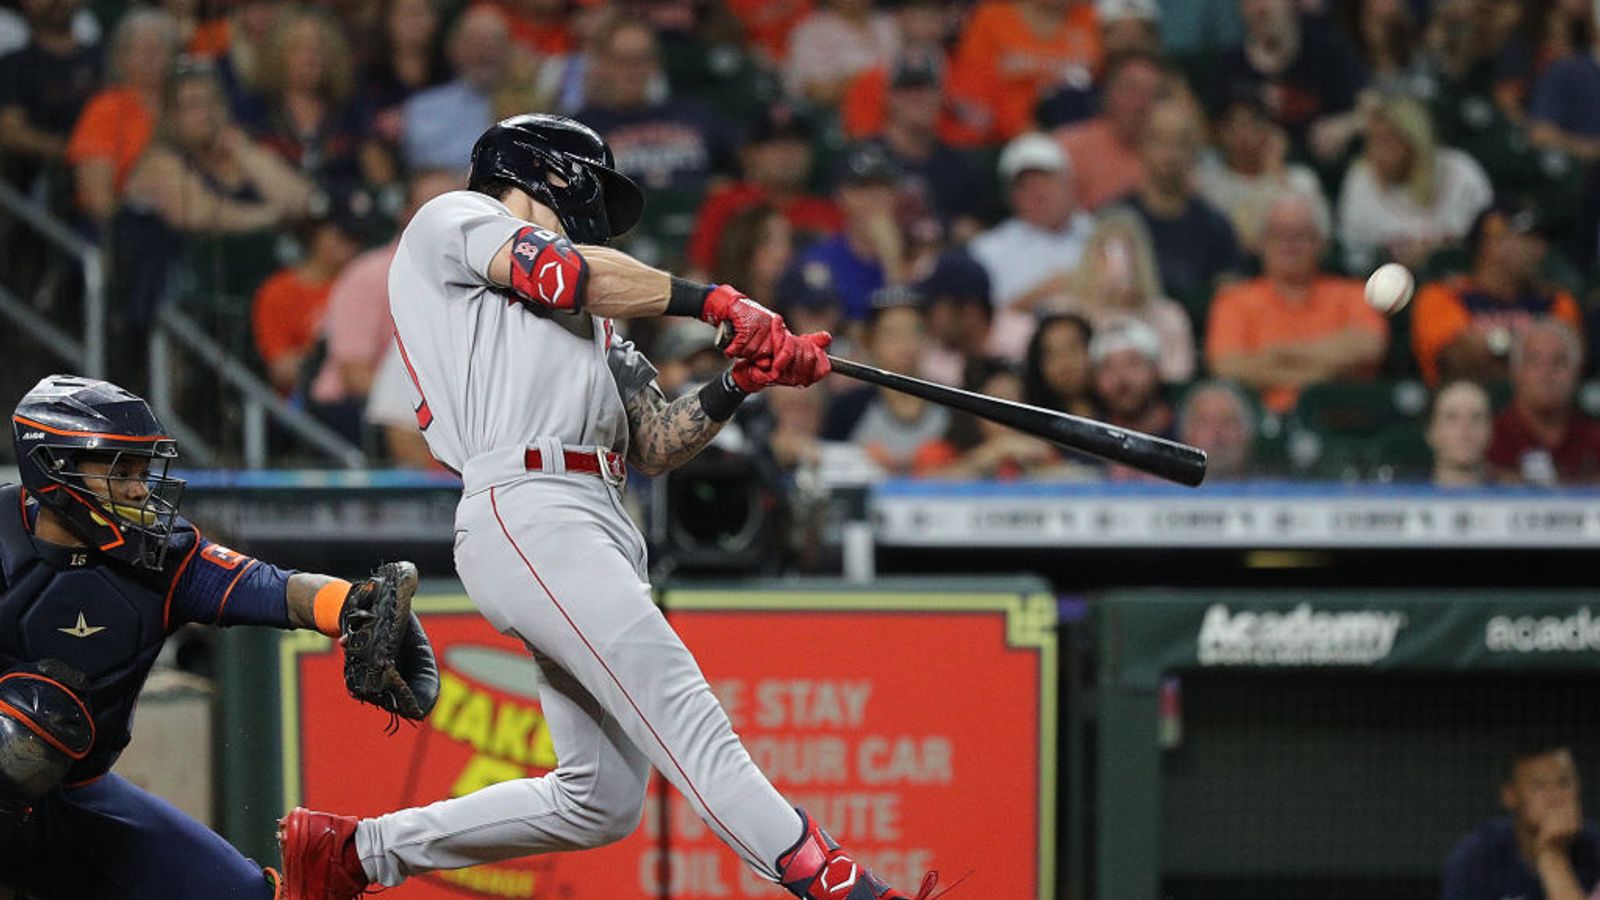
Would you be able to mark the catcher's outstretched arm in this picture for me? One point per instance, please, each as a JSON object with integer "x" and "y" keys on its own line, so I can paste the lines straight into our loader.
{"x": 301, "y": 593}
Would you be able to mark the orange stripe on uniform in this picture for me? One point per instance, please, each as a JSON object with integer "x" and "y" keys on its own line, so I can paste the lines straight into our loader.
{"x": 229, "y": 592}
{"x": 143, "y": 439}
{"x": 166, "y": 607}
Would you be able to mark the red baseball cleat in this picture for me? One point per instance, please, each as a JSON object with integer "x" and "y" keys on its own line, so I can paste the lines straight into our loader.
{"x": 816, "y": 868}
{"x": 319, "y": 856}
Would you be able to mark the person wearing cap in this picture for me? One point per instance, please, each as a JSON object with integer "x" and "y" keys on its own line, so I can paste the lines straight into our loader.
{"x": 1196, "y": 250}
{"x": 286, "y": 315}
{"x": 829, "y": 47}
{"x": 959, "y": 316}
{"x": 686, "y": 353}
{"x": 776, "y": 159}
{"x": 1030, "y": 257}
{"x": 1014, "y": 52}
{"x": 925, "y": 31}
{"x": 1126, "y": 27}
{"x": 1125, "y": 355}
{"x": 1463, "y": 327}
{"x": 805, "y": 296}
{"x": 1105, "y": 149}
{"x": 871, "y": 252}
{"x": 907, "y": 126}
{"x": 1295, "y": 325}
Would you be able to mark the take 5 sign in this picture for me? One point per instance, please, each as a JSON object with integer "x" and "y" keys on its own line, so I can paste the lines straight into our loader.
{"x": 919, "y": 728}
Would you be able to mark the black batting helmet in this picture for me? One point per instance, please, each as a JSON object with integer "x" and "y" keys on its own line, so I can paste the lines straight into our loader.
{"x": 64, "y": 422}
{"x": 566, "y": 166}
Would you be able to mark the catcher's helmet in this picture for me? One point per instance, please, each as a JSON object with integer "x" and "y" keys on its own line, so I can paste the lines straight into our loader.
{"x": 66, "y": 420}
{"x": 566, "y": 166}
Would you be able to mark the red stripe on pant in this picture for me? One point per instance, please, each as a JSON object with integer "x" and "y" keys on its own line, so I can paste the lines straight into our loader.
{"x": 495, "y": 506}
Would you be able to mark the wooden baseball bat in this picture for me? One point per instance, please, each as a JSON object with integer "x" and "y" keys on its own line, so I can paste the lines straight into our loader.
{"x": 1160, "y": 457}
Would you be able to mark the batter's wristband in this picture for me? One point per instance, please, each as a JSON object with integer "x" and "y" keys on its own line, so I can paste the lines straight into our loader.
{"x": 720, "y": 398}
{"x": 687, "y": 298}
{"x": 327, "y": 604}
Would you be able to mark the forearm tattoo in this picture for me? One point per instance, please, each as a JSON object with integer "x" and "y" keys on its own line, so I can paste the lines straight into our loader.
{"x": 666, "y": 435}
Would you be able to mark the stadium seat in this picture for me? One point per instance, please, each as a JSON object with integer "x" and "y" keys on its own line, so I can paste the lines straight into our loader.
{"x": 1341, "y": 429}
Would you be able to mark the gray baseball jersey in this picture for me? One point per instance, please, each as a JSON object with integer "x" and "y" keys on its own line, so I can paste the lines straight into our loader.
{"x": 491, "y": 372}
{"x": 553, "y": 559}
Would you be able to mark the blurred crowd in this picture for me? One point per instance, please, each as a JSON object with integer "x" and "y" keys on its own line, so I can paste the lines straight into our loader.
{"x": 1155, "y": 213}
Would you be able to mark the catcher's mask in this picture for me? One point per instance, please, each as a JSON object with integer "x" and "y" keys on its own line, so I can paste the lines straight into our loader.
{"x": 97, "y": 456}
{"x": 566, "y": 166}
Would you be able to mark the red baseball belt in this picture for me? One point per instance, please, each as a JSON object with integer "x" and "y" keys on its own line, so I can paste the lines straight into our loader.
{"x": 605, "y": 464}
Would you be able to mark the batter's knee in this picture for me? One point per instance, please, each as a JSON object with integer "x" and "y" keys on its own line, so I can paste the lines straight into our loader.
{"x": 609, "y": 813}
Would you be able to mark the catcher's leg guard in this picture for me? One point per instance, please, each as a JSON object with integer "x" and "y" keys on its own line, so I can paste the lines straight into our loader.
{"x": 816, "y": 869}
{"x": 319, "y": 856}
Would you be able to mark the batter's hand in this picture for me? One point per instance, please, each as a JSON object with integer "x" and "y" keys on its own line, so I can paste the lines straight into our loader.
{"x": 758, "y": 332}
{"x": 802, "y": 361}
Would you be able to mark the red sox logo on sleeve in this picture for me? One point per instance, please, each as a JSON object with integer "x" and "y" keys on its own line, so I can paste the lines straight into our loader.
{"x": 546, "y": 270}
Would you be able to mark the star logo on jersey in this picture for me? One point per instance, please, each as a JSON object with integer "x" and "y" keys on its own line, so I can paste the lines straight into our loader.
{"x": 82, "y": 629}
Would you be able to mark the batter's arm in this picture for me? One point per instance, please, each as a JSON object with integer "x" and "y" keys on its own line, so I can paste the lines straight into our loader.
{"x": 663, "y": 435}
{"x": 619, "y": 286}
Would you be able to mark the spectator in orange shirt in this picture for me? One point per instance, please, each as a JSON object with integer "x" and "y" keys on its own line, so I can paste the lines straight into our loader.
{"x": 1105, "y": 149}
{"x": 1541, "y": 438}
{"x": 776, "y": 158}
{"x": 1295, "y": 325}
{"x": 289, "y": 306}
{"x": 116, "y": 125}
{"x": 1463, "y": 327}
{"x": 1011, "y": 54}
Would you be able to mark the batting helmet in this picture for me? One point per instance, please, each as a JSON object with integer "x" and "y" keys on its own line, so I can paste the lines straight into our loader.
{"x": 66, "y": 421}
{"x": 566, "y": 166}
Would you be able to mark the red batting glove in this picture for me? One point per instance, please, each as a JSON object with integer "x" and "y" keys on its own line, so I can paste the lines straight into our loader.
{"x": 801, "y": 361}
{"x": 757, "y": 331}
{"x": 809, "y": 361}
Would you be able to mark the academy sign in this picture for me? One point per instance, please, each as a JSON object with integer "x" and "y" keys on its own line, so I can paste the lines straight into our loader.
{"x": 1302, "y": 636}
{"x": 1577, "y": 633}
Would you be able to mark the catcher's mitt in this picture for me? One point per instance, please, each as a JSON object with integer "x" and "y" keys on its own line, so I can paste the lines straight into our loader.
{"x": 388, "y": 661}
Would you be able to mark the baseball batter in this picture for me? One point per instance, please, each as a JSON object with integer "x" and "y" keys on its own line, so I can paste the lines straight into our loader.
{"x": 503, "y": 298}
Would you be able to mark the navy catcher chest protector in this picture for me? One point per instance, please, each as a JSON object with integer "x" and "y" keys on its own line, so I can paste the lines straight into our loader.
{"x": 566, "y": 166}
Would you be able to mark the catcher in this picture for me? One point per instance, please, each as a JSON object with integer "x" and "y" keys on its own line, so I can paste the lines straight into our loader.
{"x": 96, "y": 569}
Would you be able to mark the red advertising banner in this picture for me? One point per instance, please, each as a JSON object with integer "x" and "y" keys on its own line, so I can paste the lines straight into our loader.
{"x": 919, "y": 728}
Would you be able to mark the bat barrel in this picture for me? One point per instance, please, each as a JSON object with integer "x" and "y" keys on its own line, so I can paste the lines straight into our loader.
{"x": 1166, "y": 459}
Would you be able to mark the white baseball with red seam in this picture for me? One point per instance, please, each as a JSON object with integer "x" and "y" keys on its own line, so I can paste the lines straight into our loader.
{"x": 1389, "y": 289}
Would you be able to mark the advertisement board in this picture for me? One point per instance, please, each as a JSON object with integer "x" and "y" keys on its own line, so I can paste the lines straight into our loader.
{"x": 919, "y": 727}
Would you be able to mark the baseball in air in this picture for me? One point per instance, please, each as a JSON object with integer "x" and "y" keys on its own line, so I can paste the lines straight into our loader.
{"x": 1389, "y": 289}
